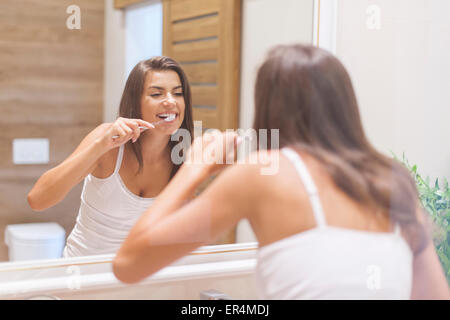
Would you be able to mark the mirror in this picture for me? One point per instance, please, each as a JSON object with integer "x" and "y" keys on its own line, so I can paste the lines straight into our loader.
{"x": 66, "y": 69}
{"x": 63, "y": 73}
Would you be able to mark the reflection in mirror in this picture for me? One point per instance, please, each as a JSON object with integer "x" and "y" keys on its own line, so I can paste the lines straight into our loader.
{"x": 67, "y": 81}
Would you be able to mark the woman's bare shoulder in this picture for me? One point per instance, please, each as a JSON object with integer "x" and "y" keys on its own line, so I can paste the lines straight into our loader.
{"x": 258, "y": 173}
{"x": 277, "y": 177}
{"x": 106, "y": 164}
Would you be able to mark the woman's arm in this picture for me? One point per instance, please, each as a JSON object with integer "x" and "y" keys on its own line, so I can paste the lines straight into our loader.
{"x": 164, "y": 234}
{"x": 54, "y": 184}
{"x": 429, "y": 281}
{"x": 168, "y": 230}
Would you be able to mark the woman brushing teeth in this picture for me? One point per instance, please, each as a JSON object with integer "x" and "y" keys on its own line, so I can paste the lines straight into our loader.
{"x": 124, "y": 164}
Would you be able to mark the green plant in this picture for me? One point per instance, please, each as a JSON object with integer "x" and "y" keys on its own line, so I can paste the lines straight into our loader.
{"x": 436, "y": 200}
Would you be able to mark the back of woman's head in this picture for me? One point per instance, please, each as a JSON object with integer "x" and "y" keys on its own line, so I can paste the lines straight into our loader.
{"x": 307, "y": 94}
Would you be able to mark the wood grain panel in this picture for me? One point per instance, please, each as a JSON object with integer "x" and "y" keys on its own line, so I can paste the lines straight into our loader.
{"x": 187, "y": 20}
{"x": 229, "y": 57}
{"x": 196, "y": 29}
{"x": 63, "y": 140}
{"x": 204, "y": 95}
{"x": 14, "y": 209}
{"x": 184, "y": 9}
{"x": 121, "y": 4}
{"x": 49, "y": 10}
{"x": 80, "y": 61}
{"x": 225, "y": 50}
{"x": 201, "y": 72}
{"x": 51, "y": 86}
{"x": 47, "y": 27}
{"x": 208, "y": 117}
{"x": 48, "y": 72}
{"x": 50, "y": 101}
{"x": 196, "y": 51}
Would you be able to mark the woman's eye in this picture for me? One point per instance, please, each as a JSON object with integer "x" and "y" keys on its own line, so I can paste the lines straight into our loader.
{"x": 180, "y": 94}
{"x": 155, "y": 94}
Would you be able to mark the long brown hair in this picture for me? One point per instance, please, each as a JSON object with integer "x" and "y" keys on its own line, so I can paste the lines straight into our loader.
{"x": 130, "y": 104}
{"x": 307, "y": 94}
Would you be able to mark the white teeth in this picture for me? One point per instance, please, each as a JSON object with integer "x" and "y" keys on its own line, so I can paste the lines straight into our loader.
{"x": 170, "y": 117}
{"x": 167, "y": 116}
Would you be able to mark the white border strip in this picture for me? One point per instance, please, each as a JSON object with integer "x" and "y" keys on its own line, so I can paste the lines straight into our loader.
{"x": 211, "y": 250}
{"x": 316, "y": 23}
{"x": 325, "y": 24}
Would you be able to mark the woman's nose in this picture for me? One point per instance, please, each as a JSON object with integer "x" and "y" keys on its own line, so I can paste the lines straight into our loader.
{"x": 169, "y": 100}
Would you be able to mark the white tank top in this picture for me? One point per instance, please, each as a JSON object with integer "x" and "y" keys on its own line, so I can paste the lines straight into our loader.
{"x": 107, "y": 212}
{"x": 329, "y": 262}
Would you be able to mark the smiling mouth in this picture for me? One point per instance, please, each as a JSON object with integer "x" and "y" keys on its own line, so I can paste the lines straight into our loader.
{"x": 167, "y": 117}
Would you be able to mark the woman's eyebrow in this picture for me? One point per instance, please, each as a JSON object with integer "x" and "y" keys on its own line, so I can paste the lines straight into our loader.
{"x": 156, "y": 87}
{"x": 161, "y": 88}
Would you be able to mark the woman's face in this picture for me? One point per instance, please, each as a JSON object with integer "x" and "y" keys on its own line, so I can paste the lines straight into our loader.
{"x": 163, "y": 98}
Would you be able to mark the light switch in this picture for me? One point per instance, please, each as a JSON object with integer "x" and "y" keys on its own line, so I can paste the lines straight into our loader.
{"x": 30, "y": 151}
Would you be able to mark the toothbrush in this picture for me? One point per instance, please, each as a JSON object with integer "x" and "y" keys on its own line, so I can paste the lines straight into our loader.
{"x": 169, "y": 118}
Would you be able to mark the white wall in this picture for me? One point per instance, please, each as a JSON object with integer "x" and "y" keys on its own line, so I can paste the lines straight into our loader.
{"x": 401, "y": 74}
{"x": 143, "y": 33}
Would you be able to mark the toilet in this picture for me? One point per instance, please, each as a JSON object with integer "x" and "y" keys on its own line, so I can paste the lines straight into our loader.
{"x": 31, "y": 241}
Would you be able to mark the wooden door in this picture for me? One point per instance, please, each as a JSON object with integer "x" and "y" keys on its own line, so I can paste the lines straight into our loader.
{"x": 204, "y": 37}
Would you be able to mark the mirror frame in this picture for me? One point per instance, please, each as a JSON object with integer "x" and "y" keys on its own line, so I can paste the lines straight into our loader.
{"x": 71, "y": 277}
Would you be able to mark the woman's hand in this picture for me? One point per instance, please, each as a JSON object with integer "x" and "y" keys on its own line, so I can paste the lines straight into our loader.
{"x": 213, "y": 151}
{"x": 54, "y": 184}
{"x": 123, "y": 130}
